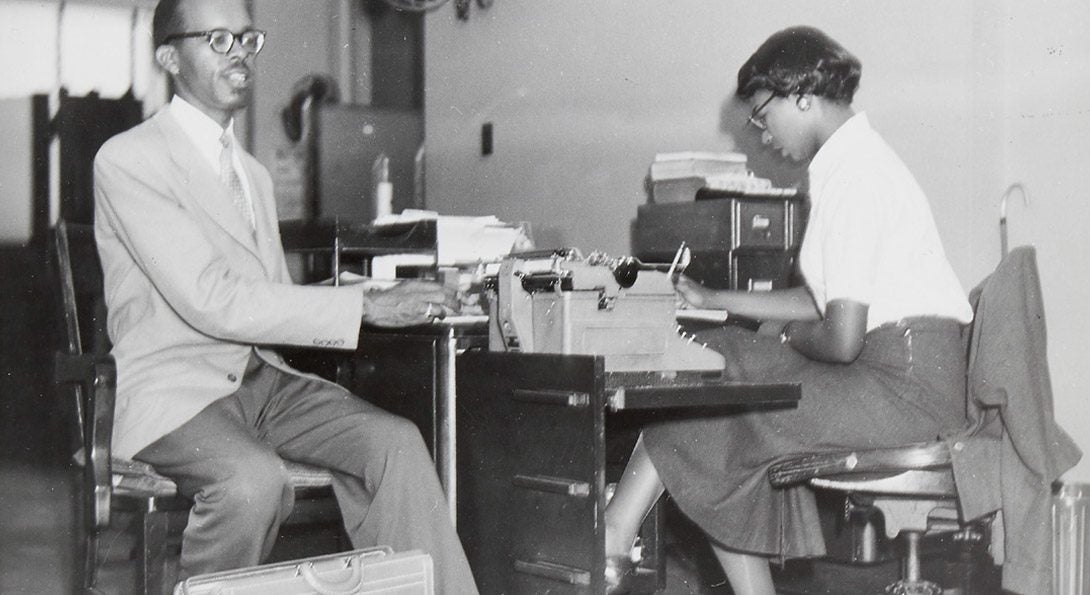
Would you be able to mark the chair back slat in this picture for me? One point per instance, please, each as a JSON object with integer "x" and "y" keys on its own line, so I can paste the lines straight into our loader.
{"x": 80, "y": 276}
{"x": 83, "y": 312}
{"x": 69, "y": 309}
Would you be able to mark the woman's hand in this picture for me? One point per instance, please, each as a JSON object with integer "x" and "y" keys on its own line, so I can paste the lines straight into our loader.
{"x": 692, "y": 293}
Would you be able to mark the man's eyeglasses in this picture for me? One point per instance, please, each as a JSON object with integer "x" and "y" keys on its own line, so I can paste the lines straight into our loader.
{"x": 755, "y": 118}
{"x": 221, "y": 40}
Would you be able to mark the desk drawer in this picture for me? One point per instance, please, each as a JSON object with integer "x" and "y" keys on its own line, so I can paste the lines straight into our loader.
{"x": 660, "y": 228}
{"x": 736, "y": 243}
{"x": 721, "y": 224}
{"x": 762, "y": 271}
{"x": 761, "y": 224}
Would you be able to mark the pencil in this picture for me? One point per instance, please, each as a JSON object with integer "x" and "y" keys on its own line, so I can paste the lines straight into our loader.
{"x": 677, "y": 259}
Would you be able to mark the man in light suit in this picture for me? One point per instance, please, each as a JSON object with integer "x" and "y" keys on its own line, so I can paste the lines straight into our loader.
{"x": 198, "y": 290}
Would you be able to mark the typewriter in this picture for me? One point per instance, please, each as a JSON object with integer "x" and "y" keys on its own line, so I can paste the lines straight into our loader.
{"x": 558, "y": 301}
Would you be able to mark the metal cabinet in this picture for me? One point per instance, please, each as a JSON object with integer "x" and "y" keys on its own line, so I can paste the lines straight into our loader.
{"x": 531, "y": 473}
{"x": 737, "y": 243}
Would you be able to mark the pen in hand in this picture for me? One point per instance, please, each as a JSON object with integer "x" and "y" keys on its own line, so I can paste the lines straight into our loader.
{"x": 673, "y": 272}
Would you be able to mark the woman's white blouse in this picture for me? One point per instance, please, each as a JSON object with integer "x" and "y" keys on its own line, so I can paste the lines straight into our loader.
{"x": 871, "y": 237}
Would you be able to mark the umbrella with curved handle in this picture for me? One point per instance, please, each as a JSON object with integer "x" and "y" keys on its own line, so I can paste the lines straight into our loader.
{"x": 1017, "y": 186}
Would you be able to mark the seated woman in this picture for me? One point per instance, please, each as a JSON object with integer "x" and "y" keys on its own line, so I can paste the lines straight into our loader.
{"x": 873, "y": 336}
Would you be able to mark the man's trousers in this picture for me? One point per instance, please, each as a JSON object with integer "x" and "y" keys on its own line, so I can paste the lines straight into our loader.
{"x": 227, "y": 459}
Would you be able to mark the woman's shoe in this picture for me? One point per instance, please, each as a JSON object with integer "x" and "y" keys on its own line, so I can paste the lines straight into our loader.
{"x": 620, "y": 574}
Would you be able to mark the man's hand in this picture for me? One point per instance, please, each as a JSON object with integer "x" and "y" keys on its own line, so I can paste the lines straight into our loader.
{"x": 409, "y": 303}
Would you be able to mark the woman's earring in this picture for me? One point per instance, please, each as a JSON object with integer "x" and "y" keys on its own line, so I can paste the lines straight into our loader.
{"x": 803, "y": 103}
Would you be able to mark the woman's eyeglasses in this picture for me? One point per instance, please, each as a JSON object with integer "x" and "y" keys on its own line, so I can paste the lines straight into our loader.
{"x": 221, "y": 40}
{"x": 755, "y": 118}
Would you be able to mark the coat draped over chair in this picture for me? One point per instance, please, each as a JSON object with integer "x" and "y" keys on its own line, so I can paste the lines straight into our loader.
{"x": 1011, "y": 462}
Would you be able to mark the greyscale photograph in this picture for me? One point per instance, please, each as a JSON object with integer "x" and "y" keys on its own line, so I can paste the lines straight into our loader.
{"x": 511, "y": 297}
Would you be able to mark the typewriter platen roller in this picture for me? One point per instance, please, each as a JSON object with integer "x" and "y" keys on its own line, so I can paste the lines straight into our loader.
{"x": 560, "y": 302}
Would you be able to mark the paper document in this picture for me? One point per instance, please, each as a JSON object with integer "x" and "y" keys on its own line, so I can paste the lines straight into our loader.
{"x": 701, "y": 315}
{"x": 462, "y": 320}
{"x": 468, "y": 240}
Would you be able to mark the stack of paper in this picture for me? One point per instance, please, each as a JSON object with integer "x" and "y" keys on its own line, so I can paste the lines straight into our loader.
{"x": 461, "y": 241}
{"x": 751, "y": 185}
{"x": 678, "y": 177}
{"x": 696, "y": 164}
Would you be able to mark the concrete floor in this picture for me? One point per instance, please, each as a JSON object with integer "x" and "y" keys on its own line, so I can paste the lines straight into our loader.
{"x": 36, "y": 530}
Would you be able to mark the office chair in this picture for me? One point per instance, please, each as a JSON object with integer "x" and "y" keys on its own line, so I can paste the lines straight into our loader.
{"x": 912, "y": 487}
{"x": 1005, "y": 459}
{"x": 86, "y": 379}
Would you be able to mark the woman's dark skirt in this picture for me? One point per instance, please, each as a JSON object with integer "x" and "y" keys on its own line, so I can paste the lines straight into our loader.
{"x": 907, "y": 386}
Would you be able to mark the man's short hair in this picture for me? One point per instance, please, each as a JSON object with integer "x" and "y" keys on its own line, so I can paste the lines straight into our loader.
{"x": 168, "y": 19}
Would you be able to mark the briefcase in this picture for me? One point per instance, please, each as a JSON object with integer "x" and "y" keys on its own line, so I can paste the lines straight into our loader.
{"x": 368, "y": 571}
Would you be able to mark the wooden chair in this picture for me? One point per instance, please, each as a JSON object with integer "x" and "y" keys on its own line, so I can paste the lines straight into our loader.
{"x": 85, "y": 376}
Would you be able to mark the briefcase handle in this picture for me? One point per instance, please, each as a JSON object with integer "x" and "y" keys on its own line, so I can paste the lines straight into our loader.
{"x": 348, "y": 586}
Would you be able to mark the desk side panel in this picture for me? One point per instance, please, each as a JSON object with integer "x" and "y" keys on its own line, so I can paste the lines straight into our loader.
{"x": 531, "y": 471}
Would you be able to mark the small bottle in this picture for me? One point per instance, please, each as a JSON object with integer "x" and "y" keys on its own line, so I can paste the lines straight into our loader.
{"x": 384, "y": 189}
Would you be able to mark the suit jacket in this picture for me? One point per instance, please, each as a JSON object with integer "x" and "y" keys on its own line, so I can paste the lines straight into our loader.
{"x": 191, "y": 291}
{"x": 1011, "y": 461}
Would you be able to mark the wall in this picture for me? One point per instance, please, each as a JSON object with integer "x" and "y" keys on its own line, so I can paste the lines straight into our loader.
{"x": 16, "y": 171}
{"x": 974, "y": 96}
{"x": 1046, "y": 143}
{"x": 301, "y": 41}
{"x": 370, "y": 50}
{"x": 582, "y": 95}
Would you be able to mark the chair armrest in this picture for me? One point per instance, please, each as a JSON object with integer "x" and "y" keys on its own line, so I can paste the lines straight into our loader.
{"x": 802, "y": 468}
{"x": 97, "y": 375}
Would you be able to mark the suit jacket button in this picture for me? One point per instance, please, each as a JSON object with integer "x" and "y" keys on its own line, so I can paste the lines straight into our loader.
{"x": 232, "y": 377}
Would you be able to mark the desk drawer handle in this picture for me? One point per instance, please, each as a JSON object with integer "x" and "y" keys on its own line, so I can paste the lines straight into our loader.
{"x": 555, "y": 485}
{"x": 760, "y": 285}
{"x": 556, "y": 572}
{"x": 565, "y": 398}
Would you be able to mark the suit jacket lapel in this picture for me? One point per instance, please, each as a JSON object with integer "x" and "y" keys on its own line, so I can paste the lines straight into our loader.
{"x": 206, "y": 189}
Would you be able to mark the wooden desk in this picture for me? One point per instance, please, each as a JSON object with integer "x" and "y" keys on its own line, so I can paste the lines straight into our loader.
{"x": 532, "y": 463}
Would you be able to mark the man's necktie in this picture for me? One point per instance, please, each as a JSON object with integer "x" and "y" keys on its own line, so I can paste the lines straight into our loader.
{"x": 230, "y": 178}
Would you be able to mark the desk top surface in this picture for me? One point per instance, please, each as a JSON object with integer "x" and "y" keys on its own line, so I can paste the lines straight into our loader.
{"x": 354, "y": 236}
{"x": 630, "y": 391}
{"x": 694, "y": 390}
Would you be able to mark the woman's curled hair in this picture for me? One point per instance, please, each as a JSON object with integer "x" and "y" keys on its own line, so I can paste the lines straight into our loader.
{"x": 801, "y": 60}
